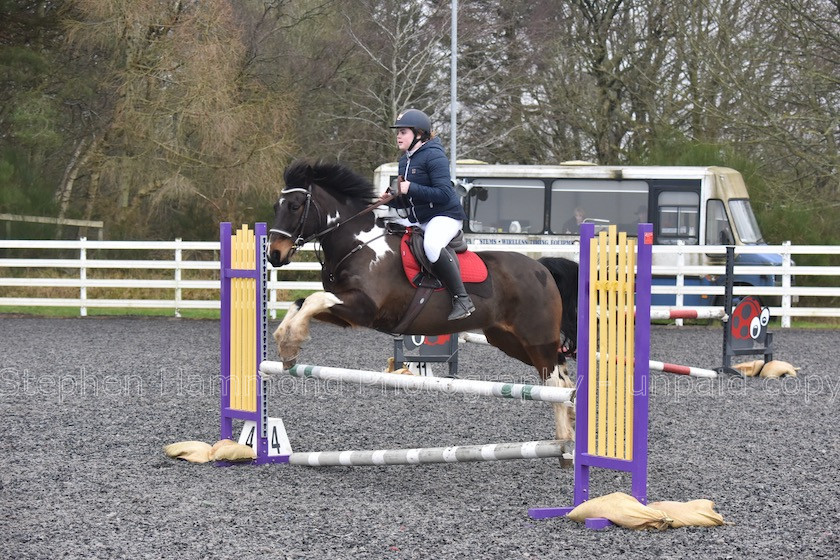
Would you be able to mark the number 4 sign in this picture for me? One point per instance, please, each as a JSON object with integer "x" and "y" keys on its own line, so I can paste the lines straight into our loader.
{"x": 278, "y": 441}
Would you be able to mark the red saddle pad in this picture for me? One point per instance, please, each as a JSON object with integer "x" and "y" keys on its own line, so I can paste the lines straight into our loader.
{"x": 473, "y": 269}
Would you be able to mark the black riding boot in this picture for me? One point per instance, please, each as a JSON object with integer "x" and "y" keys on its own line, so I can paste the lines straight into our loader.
{"x": 447, "y": 271}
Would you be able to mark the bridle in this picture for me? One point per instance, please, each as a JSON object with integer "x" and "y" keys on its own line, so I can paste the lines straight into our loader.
{"x": 298, "y": 233}
{"x": 300, "y": 241}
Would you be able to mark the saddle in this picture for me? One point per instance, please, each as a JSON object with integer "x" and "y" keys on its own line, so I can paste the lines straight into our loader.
{"x": 417, "y": 270}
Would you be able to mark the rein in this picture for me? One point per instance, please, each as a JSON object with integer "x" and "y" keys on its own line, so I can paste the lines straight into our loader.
{"x": 351, "y": 253}
{"x": 386, "y": 198}
{"x": 300, "y": 241}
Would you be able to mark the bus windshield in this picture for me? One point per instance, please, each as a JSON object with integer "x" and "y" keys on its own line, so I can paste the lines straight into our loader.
{"x": 745, "y": 223}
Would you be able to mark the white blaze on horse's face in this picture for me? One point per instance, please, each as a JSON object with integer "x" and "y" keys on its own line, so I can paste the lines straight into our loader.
{"x": 375, "y": 239}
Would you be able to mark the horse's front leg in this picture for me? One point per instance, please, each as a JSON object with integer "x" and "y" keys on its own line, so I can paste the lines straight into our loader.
{"x": 294, "y": 329}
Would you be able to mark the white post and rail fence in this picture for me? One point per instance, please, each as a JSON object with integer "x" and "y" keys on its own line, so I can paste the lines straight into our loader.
{"x": 179, "y": 275}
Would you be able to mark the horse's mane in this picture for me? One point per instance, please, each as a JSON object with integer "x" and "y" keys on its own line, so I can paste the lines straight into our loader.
{"x": 337, "y": 179}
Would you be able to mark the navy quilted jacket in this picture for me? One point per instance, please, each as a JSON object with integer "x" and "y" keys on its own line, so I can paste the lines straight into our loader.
{"x": 431, "y": 193}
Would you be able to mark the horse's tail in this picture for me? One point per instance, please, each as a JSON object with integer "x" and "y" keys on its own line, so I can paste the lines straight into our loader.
{"x": 565, "y": 273}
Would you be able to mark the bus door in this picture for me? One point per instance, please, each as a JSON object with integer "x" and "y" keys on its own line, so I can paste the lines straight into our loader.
{"x": 676, "y": 218}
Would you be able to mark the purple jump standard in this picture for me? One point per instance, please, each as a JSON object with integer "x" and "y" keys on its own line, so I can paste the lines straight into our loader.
{"x": 585, "y": 429}
{"x": 242, "y": 334}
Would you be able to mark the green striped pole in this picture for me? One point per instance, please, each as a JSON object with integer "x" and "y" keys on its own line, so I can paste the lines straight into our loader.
{"x": 433, "y": 384}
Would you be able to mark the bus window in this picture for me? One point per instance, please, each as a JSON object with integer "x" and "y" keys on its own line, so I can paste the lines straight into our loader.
{"x": 506, "y": 205}
{"x": 599, "y": 201}
{"x": 745, "y": 222}
{"x": 718, "y": 231}
{"x": 678, "y": 217}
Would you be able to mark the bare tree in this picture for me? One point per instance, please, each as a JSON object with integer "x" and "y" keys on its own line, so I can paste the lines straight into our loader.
{"x": 398, "y": 62}
{"x": 399, "y": 57}
{"x": 763, "y": 77}
{"x": 588, "y": 73}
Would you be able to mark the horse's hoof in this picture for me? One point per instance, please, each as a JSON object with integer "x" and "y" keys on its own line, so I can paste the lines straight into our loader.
{"x": 567, "y": 461}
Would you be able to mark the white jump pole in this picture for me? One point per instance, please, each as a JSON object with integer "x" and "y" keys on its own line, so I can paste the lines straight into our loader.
{"x": 455, "y": 454}
{"x": 440, "y": 384}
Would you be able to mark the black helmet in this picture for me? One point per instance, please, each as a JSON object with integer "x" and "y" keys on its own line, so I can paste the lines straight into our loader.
{"x": 414, "y": 118}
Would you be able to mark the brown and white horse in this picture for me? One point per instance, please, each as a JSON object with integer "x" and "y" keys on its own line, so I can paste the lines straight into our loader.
{"x": 527, "y": 309}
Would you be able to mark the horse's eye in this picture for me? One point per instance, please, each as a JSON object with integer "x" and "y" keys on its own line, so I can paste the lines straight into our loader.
{"x": 294, "y": 206}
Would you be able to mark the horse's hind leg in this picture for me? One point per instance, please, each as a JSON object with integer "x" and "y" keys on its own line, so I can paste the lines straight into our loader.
{"x": 555, "y": 375}
{"x": 544, "y": 357}
{"x": 563, "y": 412}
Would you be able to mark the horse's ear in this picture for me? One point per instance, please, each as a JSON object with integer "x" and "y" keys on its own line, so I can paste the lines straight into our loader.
{"x": 310, "y": 174}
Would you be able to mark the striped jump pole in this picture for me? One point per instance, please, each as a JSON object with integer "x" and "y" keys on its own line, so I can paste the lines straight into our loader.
{"x": 612, "y": 406}
{"x": 437, "y": 384}
{"x": 682, "y": 370}
{"x": 680, "y": 313}
{"x": 653, "y": 365}
{"x": 455, "y": 454}
{"x": 665, "y": 367}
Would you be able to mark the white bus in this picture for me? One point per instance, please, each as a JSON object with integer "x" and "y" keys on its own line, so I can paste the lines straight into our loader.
{"x": 543, "y": 204}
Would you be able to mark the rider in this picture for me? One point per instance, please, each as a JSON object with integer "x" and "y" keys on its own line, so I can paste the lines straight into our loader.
{"x": 427, "y": 199}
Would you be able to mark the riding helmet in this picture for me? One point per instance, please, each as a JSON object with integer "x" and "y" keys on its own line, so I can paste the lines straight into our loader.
{"x": 414, "y": 118}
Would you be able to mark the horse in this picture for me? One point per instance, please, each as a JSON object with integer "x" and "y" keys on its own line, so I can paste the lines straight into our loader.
{"x": 529, "y": 312}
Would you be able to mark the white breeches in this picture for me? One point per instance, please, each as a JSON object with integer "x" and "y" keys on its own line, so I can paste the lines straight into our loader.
{"x": 437, "y": 233}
